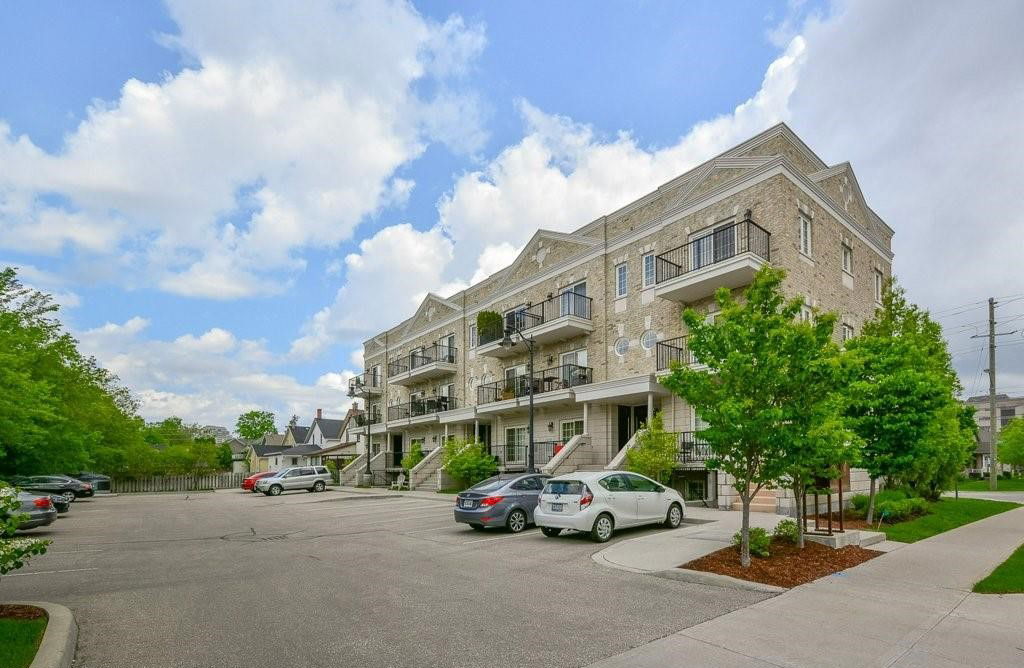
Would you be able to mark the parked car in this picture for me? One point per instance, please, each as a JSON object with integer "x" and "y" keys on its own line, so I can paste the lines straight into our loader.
{"x": 39, "y": 509}
{"x": 60, "y": 485}
{"x": 250, "y": 482}
{"x": 601, "y": 502}
{"x": 505, "y": 500}
{"x": 311, "y": 478}
{"x": 60, "y": 503}
{"x": 99, "y": 482}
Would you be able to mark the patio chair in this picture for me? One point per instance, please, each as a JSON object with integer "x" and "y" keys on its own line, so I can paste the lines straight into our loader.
{"x": 400, "y": 482}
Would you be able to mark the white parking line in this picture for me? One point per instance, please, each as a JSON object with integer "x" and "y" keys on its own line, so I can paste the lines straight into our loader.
{"x": 72, "y": 551}
{"x": 67, "y": 570}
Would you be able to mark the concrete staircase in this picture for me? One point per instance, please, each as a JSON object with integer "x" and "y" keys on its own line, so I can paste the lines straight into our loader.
{"x": 576, "y": 454}
{"x": 763, "y": 502}
{"x": 347, "y": 475}
{"x": 618, "y": 462}
{"x": 426, "y": 470}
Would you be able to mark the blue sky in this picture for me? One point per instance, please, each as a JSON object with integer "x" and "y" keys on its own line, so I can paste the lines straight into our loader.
{"x": 193, "y": 252}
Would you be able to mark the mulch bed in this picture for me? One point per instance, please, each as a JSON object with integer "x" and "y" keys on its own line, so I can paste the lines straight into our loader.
{"x": 787, "y": 566}
{"x": 9, "y": 611}
{"x": 850, "y": 521}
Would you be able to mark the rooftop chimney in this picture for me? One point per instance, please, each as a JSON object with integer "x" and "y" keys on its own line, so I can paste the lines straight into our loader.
{"x": 319, "y": 413}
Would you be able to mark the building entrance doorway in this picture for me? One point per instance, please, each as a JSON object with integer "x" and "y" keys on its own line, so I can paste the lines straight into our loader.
{"x": 630, "y": 419}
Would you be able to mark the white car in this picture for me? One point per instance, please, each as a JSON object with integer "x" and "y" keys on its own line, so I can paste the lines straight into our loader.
{"x": 602, "y": 501}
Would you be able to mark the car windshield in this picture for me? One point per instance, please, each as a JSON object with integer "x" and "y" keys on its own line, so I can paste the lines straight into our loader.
{"x": 490, "y": 484}
{"x": 564, "y": 487}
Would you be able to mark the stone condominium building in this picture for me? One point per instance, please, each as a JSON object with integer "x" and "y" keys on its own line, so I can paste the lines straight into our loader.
{"x": 603, "y": 305}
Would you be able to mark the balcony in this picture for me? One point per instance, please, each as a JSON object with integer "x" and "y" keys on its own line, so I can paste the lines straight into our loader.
{"x": 557, "y": 318}
{"x": 430, "y": 362}
{"x": 512, "y": 457}
{"x": 693, "y": 452}
{"x": 727, "y": 257}
{"x": 550, "y": 382}
{"x": 373, "y": 416}
{"x": 670, "y": 352}
{"x": 421, "y": 410}
{"x": 365, "y": 385}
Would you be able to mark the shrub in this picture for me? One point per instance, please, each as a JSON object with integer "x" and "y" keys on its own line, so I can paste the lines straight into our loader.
{"x": 902, "y": 509}
{"x": 859, "y": 502}
{"x": 14, "y": 552}
{"x": 760, "y": 541}
{"x": 655, "y": 452}
{"x": 787, "y": 530}
{"x": 412, "y": 458}
{"x": 468, "y": 462}
{"x": 489, "y": 326}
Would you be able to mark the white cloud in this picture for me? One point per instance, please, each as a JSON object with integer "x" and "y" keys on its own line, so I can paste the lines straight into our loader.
{"x": 285, "y": 132}
{"x": 210, "y": 378}
{"x": 45, "y": 281}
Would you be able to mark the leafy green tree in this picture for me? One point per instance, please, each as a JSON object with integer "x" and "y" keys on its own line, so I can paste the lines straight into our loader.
{"x": 467, "y": 462}
{"x": 902, "y": 378}
{"x": 751, "y": 393}
{"x": 1011, "y": 443}
{"x": 255, "y": 424}
{"x": 225, "y": 458}
{"x": 655, "y": 452}
{"x": 413, "y": 457}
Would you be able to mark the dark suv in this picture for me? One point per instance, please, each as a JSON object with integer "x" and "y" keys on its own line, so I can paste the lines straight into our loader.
{"x": 60, "y": 485}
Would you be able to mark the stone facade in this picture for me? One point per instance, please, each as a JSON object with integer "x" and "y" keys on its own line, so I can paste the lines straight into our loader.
{"x": 773, "y": 180}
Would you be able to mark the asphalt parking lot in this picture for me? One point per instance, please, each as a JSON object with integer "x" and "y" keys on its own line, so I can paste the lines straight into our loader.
{"x": 236, "y": 579}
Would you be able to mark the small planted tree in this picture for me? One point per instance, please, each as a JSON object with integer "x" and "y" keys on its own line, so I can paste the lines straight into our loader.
{"x": 655, "y": 452}
{"x": 467, "y": 462}
{"x": 742, "y": 393}
{"x": 14, "y": 552}
{"x": 412, "y": 458}
{"x": 1011, "y": 443}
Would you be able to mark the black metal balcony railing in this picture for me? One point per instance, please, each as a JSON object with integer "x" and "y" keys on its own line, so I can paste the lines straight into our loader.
{"x": 525, "y": 316}
{"x": 513, "y": 456}
{"x": 672, "y": 351}
{"x": 548, "y": 380}
{"x": 434, "y": 353}
{"x": 398, "y": 367}
{"x": 418, "y": 407}
{"x": 367, "y": 381}
{"x": 373, "y": 416}
{"x": 692, "y": 448}
{"x": 722, "y": 244}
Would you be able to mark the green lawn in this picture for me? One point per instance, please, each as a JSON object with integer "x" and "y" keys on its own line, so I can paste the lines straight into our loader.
{"x": 1014, "y": 485}
{"x": 1007, "y": 578}
{"x": 20, "y": 640}
{"x": 946, "y": 514}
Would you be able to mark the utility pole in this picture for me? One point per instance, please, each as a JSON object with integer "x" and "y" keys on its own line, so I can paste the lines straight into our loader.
{"x": 993, "y": 419}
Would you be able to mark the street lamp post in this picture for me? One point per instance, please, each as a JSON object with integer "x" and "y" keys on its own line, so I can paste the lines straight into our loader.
{"x": 508, "y": 343}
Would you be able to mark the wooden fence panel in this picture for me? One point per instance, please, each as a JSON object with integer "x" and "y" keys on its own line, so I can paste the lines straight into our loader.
{"x": 177, "y": 483}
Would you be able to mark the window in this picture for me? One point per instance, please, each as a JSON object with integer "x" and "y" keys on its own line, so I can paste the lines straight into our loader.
{"x": 572, "y": 301}
{"x": 577, "y": 357}
{"x": 613, "y": 483}
{"x": 806, "y": 314}
{"x": 571, "y": 428}
{"x": 472, "y": 336}
{"x": 879, "y": 284}
{"x": 516, "y": 318}
{"x": 620, "y": 280}
{"x": 640, "y": 484}
{"x": 713, "y": 246}
{"x": 847, "y": 332}
{"x": 847, "y": 259}
{"x": 648, "y": 339}
{"x": 375, "y": 376}
{"x": 515, "y": 444}
{"x": 621, "y": 346}
{"x": 1005, "y": 415}
{"x": 649, "y": 276}
{"x": 805, "y": 236}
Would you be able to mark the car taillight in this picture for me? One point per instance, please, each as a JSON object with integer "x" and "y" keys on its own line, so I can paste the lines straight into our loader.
{"x": 43, "y": 503}
{"x": 491, "y": 500}
{"x": 586, "y": 499}
{"x": 86, "y": 485}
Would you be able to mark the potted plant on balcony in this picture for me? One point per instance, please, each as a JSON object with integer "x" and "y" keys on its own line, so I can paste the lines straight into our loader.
{"x": 508, "y": 390}
{"x": 489, "y": 326}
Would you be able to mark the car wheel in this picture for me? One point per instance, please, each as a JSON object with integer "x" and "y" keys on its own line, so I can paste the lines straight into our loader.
{"x": 319, "y": 486}
{"x": 603, "y": 527}
{"x": 550, "y": 532}
{"x": 516, "y": 521}
{"x": 477, "y": 527}
{"x": 674, "y": 517}
{"x": 275, "y": 490}
{"x": 69, "y": 496}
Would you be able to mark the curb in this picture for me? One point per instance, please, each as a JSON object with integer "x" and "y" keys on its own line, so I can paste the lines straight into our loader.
{"x": 57, "y": 649}
{"x": 716, "y": 580}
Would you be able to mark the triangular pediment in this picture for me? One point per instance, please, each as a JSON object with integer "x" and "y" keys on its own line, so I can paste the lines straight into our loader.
{"x": 432, "y": 310}
{"x": 544, "y": 250}
{"x": 840, "y": 183}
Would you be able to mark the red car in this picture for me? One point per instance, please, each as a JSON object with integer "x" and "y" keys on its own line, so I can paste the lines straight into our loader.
{"x": 250, "y": 482}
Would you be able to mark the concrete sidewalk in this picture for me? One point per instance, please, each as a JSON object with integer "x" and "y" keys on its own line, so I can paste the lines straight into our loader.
{"x": 910, "y": 607}
{"x": 385, "y": 492}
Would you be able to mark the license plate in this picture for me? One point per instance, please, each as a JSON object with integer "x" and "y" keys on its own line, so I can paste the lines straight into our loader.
{"x": 467, "y": 503}
{"x": 557, "y": 507}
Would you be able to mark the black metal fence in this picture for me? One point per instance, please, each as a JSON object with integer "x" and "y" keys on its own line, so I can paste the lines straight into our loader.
{"x": 367, "y": 381}
{"x": 721, "y": 244}
{"x": 373, "y": 416}
{"x": 418, "y": 407}
{"x": 513, "y": 456}
{"x": 693, "y": 450}
{"x": 672, "y": 351}
{"x": 548, "y": 380}
{"x": 529, "y": 315}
